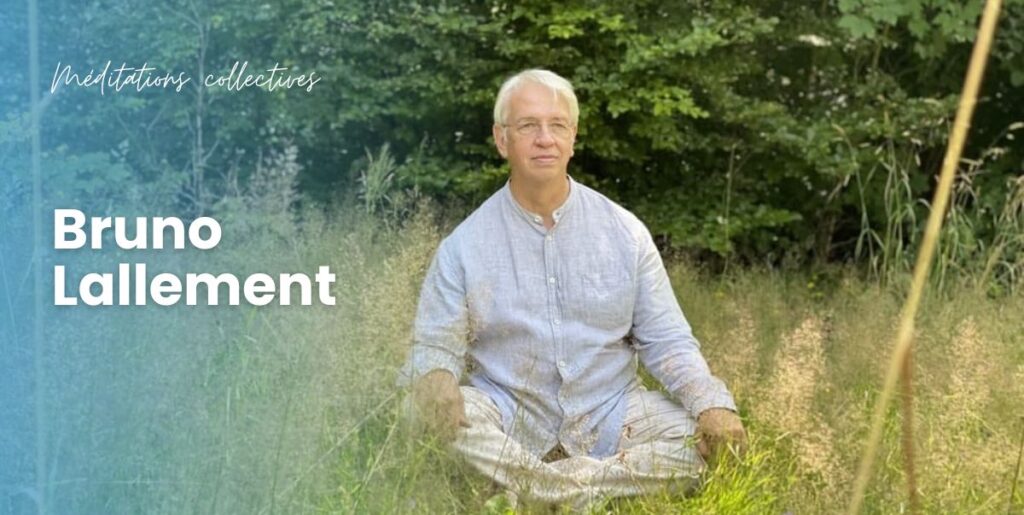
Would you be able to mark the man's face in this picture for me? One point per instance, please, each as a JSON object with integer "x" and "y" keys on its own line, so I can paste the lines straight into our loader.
{"x": 538, "y": 135}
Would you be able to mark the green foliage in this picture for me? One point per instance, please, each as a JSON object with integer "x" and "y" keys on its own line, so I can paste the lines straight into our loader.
{"x": 265, "y": 202}
{"x": 376, "y": 179}
{"x": 726, "y": 129}
{"x": 734, "y": 132}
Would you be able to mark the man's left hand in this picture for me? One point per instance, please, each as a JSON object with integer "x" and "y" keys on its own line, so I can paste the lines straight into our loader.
{"x": 717, "y": 430}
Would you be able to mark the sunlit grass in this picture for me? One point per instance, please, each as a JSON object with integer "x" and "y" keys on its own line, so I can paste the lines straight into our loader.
{"x": 293, "y": 409}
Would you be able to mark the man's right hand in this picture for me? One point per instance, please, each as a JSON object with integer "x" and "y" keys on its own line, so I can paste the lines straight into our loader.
{"x": 439, "y": 403}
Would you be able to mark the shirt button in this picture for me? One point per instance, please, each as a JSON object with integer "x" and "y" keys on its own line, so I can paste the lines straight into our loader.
{"x": 558, "y": 321}
{"x": 551, "y": 280}
{"x": 536, "y": 219}
{"x": 561, "y": 364}
{"x": 549, "y": 237}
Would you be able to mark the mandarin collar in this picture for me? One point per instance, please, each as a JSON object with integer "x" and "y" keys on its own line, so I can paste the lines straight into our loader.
{"x": 536, "y": 219}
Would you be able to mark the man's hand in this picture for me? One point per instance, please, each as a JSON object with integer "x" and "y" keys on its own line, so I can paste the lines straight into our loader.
{"x": 439, "y": 403}
{"x": 717, "y": 430}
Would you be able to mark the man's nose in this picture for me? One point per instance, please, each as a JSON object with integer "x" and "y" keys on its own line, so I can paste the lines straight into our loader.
{"x": 545, "y": 137}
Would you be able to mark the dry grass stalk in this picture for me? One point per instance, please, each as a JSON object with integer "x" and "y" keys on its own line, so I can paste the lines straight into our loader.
{"x": 964, "y": 451}
{"x": 788, "y": 402}
{"x": 969, "y": 383}
{"x": 389, "y": 303}
{"x": 736, "y": 362}
{"x": 968, "y": 99}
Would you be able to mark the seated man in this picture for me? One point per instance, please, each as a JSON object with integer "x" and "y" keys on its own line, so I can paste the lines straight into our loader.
{"x": 553, "y": 290}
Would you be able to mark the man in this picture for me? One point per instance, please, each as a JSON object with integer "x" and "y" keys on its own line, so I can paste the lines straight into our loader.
{"x": 553, "y": 290}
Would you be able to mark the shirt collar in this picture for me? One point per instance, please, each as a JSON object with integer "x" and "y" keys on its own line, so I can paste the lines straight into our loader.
{"x": 536, "y": 219}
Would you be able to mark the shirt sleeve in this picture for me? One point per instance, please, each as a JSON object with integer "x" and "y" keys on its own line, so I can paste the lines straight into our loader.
{"x": 665, "y": 342}
{"x": 441, "y": 329}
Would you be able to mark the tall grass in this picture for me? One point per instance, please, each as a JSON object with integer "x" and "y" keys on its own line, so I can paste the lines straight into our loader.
{"x": 375, "y": 181}
{"x": 982, "y": 242}
{"x": 293, "y": 409}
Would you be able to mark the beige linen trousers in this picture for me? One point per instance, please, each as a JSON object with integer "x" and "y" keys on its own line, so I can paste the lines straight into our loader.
{"x": 656, "y": 454}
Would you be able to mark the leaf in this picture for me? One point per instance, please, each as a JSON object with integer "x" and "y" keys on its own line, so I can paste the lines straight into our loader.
{"x": 857, "y": 27}
{"x": 563, "y": 31}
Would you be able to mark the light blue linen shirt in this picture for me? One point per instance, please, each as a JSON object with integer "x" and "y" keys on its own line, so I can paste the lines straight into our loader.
{"x": 553, "y": 320}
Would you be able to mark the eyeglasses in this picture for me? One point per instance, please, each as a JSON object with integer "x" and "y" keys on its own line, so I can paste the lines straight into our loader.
{"x": 532, "y": 128}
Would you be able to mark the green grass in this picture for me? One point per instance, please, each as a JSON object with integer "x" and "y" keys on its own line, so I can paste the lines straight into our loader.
{"x": 293, "y": 409}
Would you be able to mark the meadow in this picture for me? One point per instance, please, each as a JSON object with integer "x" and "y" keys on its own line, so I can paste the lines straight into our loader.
{"x": 290, "y": 409}
{"x": 785, "y": 161}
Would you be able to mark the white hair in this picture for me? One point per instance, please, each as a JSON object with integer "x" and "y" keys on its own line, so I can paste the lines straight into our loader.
{"x": 558, "y": 85}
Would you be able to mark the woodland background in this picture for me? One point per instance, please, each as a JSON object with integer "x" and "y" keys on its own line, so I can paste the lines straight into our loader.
{"x": 783, "y": 153}
{"x": 778, "y": 133}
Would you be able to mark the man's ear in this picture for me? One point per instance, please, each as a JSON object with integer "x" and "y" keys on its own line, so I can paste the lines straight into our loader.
{"x": 499, "y": 140}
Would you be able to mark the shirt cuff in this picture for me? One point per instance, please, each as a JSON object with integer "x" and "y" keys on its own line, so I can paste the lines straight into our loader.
{"x": 425, "y": 358}
{"x": 702, "y": 395}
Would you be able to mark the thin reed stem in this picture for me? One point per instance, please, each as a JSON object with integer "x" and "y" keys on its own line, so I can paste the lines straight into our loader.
{"x": 904, "y": 340}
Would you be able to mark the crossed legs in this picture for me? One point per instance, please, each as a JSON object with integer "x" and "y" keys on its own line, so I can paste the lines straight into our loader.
{"x": 654, "y": 454}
